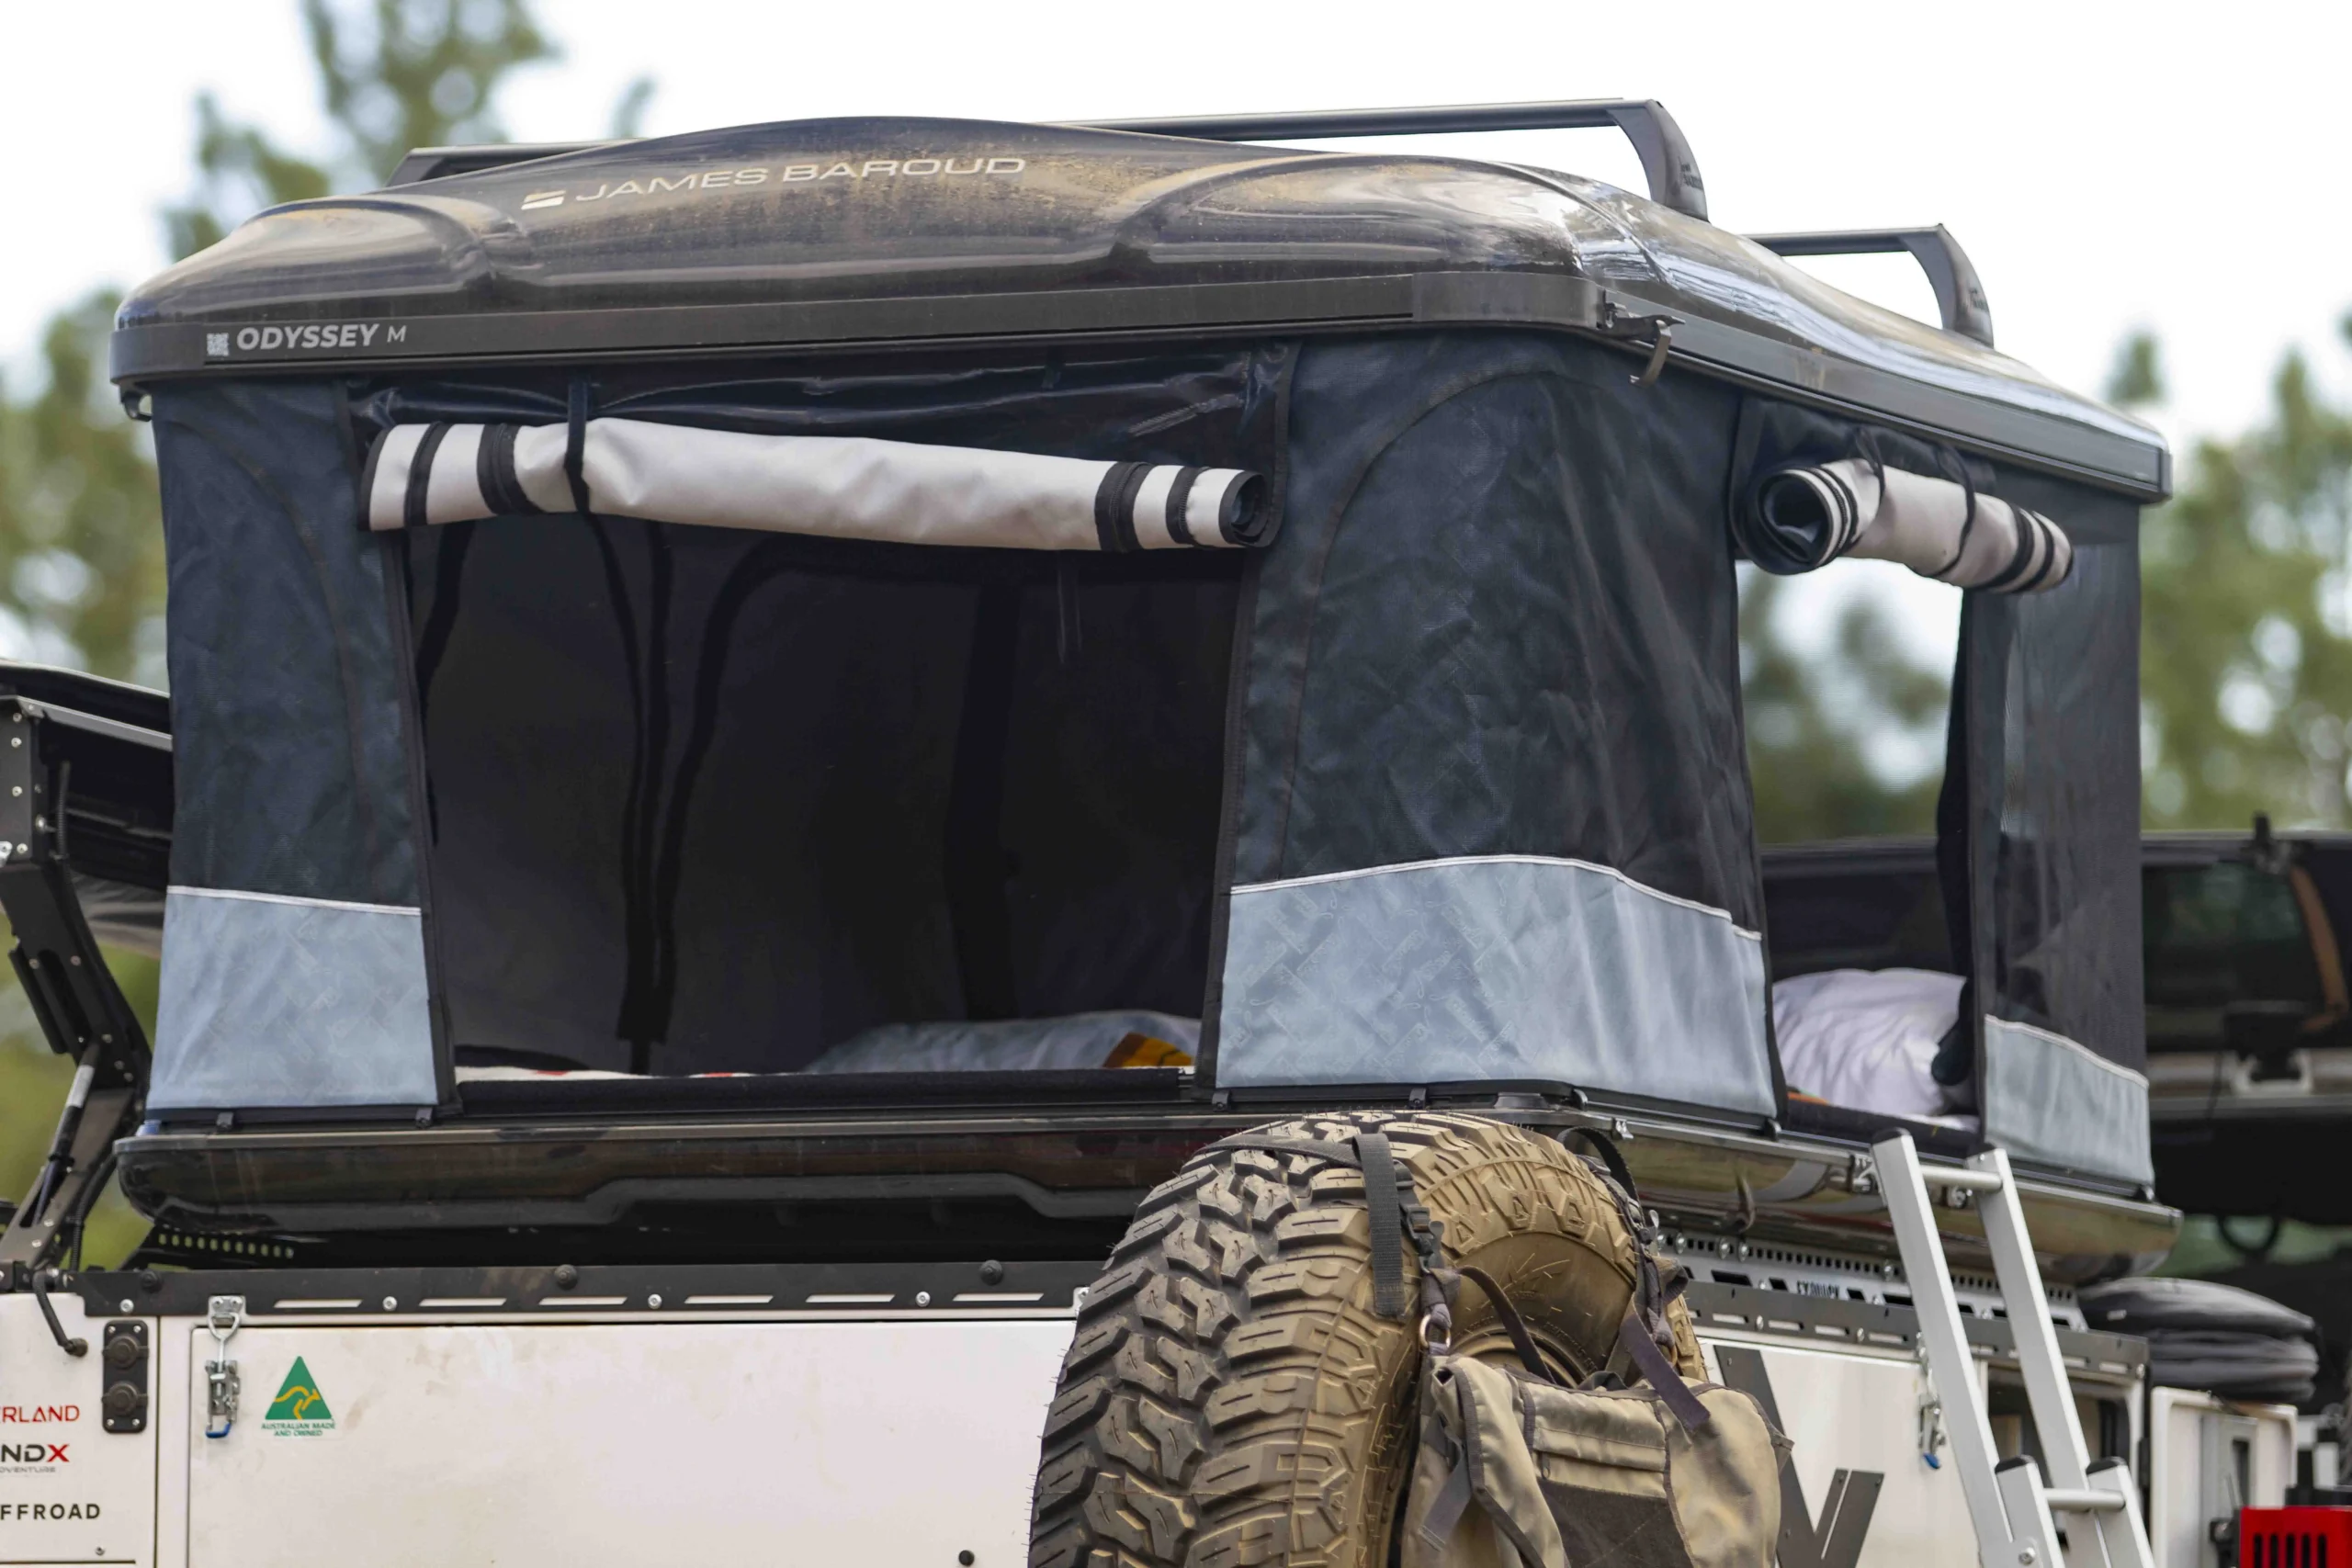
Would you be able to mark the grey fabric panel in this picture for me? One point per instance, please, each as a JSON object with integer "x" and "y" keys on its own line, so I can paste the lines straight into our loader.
{"x": 2052, "y": 1103}
{"x": 282, "y": 1002}
{"x": 293, "y": 774}
{"x": 1493, "y": 969}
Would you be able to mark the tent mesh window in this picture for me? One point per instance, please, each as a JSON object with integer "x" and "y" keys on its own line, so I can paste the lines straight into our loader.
{"x": 704, "y": 800}
{"x": 701, "y": 801}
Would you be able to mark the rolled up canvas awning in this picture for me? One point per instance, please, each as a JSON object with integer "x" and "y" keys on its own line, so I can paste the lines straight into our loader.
{"x": 1797, "y": 519}
{"x": 843, "y": 487}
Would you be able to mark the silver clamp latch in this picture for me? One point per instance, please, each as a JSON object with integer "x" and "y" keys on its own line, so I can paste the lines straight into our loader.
{"x": 1931, "y": 1416}
{"x": 1655, "y": 331}
{"x": 223, "y": 1316}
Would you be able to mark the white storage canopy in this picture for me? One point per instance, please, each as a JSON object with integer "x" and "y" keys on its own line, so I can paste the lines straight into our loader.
{"x": 845, "y": 487}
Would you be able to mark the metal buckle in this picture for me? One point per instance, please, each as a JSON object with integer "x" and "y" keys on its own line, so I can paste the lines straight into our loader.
{"x": 1657, "y": 331}
{"x": 223, "y": 1315}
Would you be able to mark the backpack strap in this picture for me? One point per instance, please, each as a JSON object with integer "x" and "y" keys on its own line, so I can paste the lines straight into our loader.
{"x": 1513, "y": 1324}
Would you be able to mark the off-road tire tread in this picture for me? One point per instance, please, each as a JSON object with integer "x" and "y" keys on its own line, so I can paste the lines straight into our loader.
{"x": 1229, "y": 1399}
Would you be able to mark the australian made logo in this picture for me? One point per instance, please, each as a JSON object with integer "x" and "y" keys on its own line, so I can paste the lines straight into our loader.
{"x": 300, "y": 1410}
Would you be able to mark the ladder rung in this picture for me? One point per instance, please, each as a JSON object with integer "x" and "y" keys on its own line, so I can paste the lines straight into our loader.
{"x": 1960, "y": 1177}
{"x": 2084, "y": 1502}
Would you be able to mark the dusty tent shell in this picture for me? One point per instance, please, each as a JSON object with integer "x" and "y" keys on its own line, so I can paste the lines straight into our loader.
{"x": 1442, "y": 784}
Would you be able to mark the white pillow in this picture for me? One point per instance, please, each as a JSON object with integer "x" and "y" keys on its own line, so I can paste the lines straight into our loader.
{"x": 1867, "y": 1038}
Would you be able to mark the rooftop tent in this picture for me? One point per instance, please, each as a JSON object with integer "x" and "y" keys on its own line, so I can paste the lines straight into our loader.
{"x": 554, "y": 746}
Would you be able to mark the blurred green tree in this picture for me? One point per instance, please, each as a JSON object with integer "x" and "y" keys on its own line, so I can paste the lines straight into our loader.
{"x": 80, "y": 552}
{"x": 2245, "y": 649}
{"x": 2246, "y": 654}
{"x": 1812, "y": 721}
{"x": 403, "y": 74}
{"x": 81, "y": 543}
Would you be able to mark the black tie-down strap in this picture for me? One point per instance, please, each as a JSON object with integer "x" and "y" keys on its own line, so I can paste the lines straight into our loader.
{"x": 1645, "y": 1335}
{"x": 1393, "y": 1210}
{"x": 1384, "y": 1211}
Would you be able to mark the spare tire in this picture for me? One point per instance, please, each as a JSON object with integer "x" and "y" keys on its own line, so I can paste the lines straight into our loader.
{"x": 1230, "y": 1398}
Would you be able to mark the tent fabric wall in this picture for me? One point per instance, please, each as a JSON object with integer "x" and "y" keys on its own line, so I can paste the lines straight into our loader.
{"x": 294, "y": 955}
{"x": 1494, "y": 656}
{"x": 1487, "y": 815}
{"x": 2051, "y": 1102}
{"x": 1506, "y": 969}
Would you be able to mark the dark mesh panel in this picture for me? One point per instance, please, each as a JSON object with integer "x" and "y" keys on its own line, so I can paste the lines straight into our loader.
{"x": 2065, "y": 877}
{"x": 291, "y": 772}
{"x": 1502, "y": 619}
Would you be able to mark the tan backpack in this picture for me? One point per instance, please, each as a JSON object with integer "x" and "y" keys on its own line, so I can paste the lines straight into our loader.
{"x": 1515, "y": 1472}
{"x": 1516, "y": 1469}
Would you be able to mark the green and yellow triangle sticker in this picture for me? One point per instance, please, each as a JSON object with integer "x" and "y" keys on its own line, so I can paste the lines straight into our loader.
{"x": 299, "y": 1398}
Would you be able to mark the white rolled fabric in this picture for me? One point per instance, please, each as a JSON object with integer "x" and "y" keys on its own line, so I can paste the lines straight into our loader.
{"x": 1799, "y": 519}
{"x": 842, "y": 487}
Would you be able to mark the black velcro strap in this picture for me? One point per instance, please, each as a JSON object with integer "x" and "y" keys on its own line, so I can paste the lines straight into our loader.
{"x": 1612, "y": 1158}
{"x": 1659, "y": 1373}
{"x": 1180, "y": 498}
{"x": 575, "y": 447}
{"x": 420, "y": 476}
{"x": 1114, "y": 507}
{"x": 494, "y": 475}
{"x": 1339, "y": 1153}
{"x": 2051, "y": 538}
{"x": 1387, "y": 1221}
{"x": 2021, "y": 554}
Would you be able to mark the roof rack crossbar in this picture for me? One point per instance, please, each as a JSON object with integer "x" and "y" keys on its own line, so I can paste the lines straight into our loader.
{"x": 1665, "y": 155}
{"x": 1667, "y": 160}
{"x": 438, "y": 163}
{"x": 1959, "y": 298}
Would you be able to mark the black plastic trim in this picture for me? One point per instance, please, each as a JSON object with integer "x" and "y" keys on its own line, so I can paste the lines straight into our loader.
{"x": 541, "y": 1099}
{"x": 1814, "y": 1318}
{"x": 1390, "y": 301}
{"x": 559, "y": 1293}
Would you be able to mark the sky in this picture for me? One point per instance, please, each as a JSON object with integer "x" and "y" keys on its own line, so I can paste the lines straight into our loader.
{"x": 2108, "y": 167}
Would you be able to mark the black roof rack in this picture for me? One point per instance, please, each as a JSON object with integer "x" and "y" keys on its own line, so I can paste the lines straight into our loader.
{"x": 1665, "y": 155}
{"x": 1959, "y": 296}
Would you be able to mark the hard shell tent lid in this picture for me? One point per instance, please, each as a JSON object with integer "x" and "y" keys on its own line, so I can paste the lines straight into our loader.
{"x": 831, "y": 234}
{"x": 1442, "y": 784}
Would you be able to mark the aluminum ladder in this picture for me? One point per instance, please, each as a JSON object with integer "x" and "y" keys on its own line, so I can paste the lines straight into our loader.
{"x": 2014, "y": 1507}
